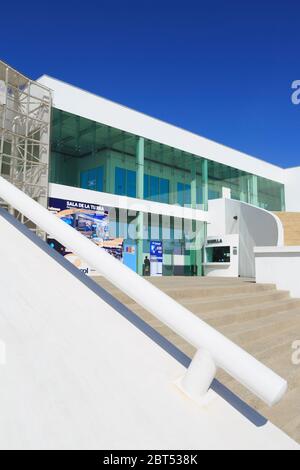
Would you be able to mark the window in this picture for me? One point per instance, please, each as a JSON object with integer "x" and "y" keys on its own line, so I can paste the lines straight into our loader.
{"x": 213, "y": 194}
{"x": 164, "y": 190}
{"x": 131, "y": 183}
{"x": 218, "y": 254}
{"x": 125, "y": 182}
{"x": 92, "y": 179}
{"x": 77, "y": 137}
{"x": 156, "y": 189}
{"x": 184, "y": 194}
{"x": 120, "y": 181}
{"x": 199, "y": 195}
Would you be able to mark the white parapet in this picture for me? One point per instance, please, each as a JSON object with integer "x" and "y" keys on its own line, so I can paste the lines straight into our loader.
{"x": 279, "y": 265}
{"x": 251, "y": 373}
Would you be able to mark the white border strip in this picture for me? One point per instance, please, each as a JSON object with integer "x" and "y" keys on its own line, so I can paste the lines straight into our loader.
{"x": 122, "y": 202}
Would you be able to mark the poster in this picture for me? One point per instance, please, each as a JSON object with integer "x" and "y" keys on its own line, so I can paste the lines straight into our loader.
{"x": 156, "y": 258}
{"x": 90, "y": 220}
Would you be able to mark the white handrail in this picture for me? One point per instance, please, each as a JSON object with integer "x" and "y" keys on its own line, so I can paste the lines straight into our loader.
{"x": 255, "y": 376}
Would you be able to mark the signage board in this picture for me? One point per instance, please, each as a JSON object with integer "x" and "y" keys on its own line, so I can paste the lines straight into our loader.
{"x": 90, "y": 220}
{"x": 156, "y": 257}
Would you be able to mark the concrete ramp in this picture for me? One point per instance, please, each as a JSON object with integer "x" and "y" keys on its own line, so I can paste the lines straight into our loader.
{"x": 78, "y": 375}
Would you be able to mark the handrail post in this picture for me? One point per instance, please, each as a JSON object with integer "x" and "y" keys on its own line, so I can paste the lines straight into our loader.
{"x": 199, "y": 376}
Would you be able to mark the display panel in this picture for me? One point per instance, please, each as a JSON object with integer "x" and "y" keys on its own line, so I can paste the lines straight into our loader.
{"x": 90, "y": 220}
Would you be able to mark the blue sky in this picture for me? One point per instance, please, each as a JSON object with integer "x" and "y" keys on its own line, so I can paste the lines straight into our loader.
{"x": 222, "y": 69}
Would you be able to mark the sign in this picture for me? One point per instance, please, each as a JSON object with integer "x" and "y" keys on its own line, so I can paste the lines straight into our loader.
{"x": 214, "y": 241}
{"x": 92, "y": 221}
{"x": 156, "y": 250}
{"x": 156, "y": 258}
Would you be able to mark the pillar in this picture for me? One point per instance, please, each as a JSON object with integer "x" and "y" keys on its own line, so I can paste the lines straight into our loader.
{"x": 140, "y": 159}
{"x": 205, "y": 184}
{"x": 243, "y": 188}
{"x": 109, "y": 168}
{"x": 196, "y": 255}
{"x": 254, "y": 190}
{"x": 202, "y": 231}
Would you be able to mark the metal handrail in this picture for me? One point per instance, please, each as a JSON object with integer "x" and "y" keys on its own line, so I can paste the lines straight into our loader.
{"x": 243, "y": 367}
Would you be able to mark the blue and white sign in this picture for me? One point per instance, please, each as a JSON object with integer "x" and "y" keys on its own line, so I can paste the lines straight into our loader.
{"x": 156, "y": 257}
{"x": 156, "y": 250}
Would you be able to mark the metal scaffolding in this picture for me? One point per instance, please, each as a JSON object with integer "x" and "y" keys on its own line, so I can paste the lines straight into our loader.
{"x": 25, "y": 113}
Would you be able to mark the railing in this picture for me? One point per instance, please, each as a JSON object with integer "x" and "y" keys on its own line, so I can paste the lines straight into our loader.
{"x": 215, "y": 349}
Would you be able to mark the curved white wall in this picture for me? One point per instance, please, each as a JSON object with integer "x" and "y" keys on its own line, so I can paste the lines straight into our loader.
{"x": 255, "y": 226}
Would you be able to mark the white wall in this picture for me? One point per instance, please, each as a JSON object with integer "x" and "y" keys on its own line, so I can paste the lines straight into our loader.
{"x": 78, "y": 375}
{"x": 256, "y": 227}
{"x": 280, "y": 266}
{"x": 292, "y": 190}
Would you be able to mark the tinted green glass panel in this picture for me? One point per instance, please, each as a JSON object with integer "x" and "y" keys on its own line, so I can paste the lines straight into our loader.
{"x": 125, "y": 182}
{"x": 131, "y": 184}
{"x": 79, "y": 145}
{"x": 120, "y": 181}
{"x": 164, "y": 189}
{"x": 184, "y": 194}
{"x": 92, "y": 179}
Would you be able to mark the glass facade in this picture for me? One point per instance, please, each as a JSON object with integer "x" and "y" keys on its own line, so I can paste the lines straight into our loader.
{"x": 92, "y": 179}
{"x": 80, "y": 148}
{"x": 125, "y": 182}
{"x": 184, "y": 194}
{"x": 176, "y": 235}
{"x": 156, "y": 189}
{"x": 245, "y": 187}
{"x": 94, "y": 156}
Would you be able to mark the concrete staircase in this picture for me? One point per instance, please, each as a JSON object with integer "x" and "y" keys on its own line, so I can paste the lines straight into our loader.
{"x": 291, "y": 226}
{"x": 259, "y": 318}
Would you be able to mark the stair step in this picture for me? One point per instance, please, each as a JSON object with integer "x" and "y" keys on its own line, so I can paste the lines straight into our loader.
{"x": 196, "y": 293}
{"x": 263, "y": 321}
{"x": 269, "y": 321}
{"x": 202, "y": 291}
{"x": 246, "y": 313}
{"x": 228, "y": 302}
{"x": 263, "y": 345}
{"x": 249, "y": 337}
{"x": 286, "y": 410}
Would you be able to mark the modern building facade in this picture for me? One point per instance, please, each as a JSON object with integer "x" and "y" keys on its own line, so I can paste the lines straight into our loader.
{"x": 147, "y": 184}
{"x": 138, "y": 188}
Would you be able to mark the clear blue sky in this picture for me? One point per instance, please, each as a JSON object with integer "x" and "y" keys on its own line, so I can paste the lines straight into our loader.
{"x": 222, "y": 69}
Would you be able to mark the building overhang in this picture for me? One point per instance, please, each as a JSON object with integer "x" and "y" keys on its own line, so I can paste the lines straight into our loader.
{"x": 82, "y": 103}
